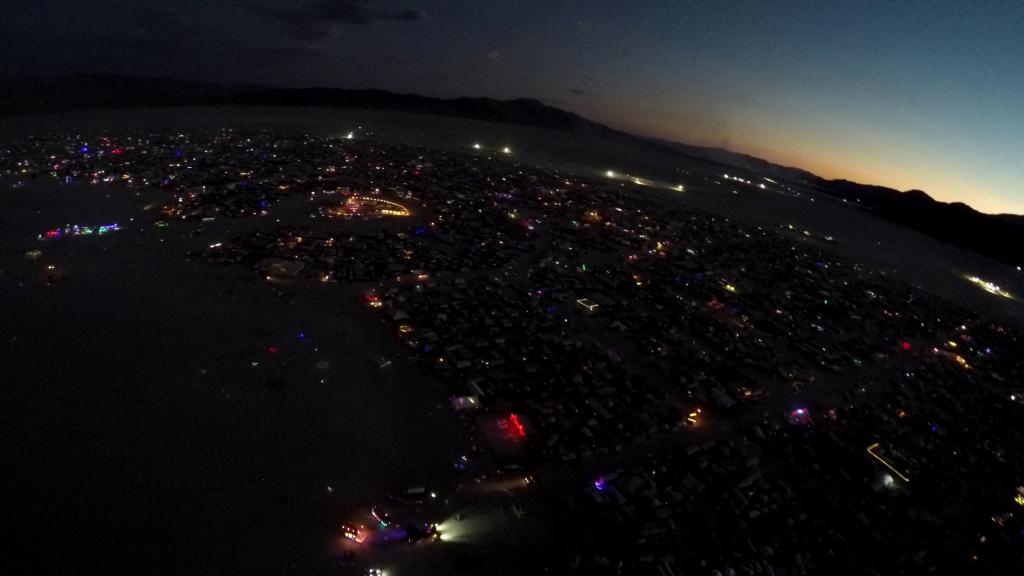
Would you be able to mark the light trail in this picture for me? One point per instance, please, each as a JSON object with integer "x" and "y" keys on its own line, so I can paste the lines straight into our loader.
{"x": 886, "y": 464}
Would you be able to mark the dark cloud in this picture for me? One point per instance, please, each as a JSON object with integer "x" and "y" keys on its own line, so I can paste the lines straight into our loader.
{"x": 578, "y": 92}
{"x": 141, "y": 26}
{"x": 322, "y": 18}
{"x": 154, "y": 20}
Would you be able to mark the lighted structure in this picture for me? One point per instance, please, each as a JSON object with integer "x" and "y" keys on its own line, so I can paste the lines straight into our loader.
{"x": 693, "y": 417}
{"x": 366, "y": 208}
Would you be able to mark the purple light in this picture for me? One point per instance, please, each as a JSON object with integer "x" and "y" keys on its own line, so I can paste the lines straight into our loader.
{"x": 599, "y": 484}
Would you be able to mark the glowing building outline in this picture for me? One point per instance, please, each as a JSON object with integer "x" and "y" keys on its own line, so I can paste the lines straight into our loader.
{"x": 383, "y": 207}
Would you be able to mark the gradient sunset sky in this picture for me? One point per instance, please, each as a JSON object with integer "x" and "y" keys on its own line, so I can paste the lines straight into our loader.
{"x": 908, "y": 94}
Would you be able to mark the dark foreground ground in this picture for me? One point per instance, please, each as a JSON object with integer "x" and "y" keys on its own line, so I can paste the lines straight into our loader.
{"x": 147, "y": 425}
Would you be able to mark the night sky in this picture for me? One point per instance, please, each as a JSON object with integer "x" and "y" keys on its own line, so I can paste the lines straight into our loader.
{"x": 907, "y": 94}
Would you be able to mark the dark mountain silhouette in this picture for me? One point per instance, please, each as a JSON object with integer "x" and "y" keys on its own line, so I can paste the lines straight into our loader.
{"x": 996, "y": 236}
{"x": 112, "y": 91}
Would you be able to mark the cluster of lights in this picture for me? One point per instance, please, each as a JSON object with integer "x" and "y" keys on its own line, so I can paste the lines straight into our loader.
{"x": 352, "y": 533}
{"x": 355, "y": 205}
{"x": 742, "y": 181}
{"x": 77, "y": 230}
{"x": 989, "y": 287}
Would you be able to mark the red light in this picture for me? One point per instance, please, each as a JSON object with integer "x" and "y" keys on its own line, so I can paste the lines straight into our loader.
{"x": 272, "y": 349}
{"x": 516, "y": 426}
{"x": 117, "y": 151}
{"x": 906, "y": 345}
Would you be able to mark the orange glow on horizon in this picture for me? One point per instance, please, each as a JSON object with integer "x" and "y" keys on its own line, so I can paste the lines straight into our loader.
{"x": 858, "y": 154}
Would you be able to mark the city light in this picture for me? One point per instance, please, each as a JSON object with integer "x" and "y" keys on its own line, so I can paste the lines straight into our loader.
{"x": 487, "y": 317}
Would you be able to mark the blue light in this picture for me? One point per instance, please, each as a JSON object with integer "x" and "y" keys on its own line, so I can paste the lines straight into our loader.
{"x": 301, "y": 335}
{"x": 84, "y": 149}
